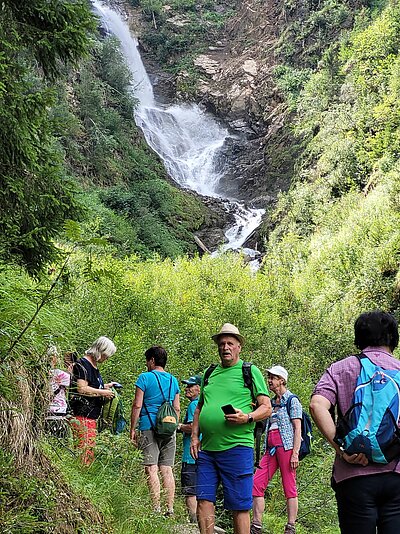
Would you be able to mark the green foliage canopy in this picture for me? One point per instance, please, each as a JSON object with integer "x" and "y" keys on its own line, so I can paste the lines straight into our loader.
{"x": 36, "y": 38}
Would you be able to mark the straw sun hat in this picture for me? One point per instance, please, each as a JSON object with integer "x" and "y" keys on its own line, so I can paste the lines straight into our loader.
{"x": 229, "y": 330}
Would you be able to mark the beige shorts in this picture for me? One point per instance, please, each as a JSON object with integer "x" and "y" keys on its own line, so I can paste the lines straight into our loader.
{"x": 157, "y": 451}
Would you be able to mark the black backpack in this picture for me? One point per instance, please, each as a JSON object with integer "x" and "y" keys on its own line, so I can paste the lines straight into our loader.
{"x": 260, "y": 426}
{"x": 166, "y": 418}
{"x": 306, "y": 430}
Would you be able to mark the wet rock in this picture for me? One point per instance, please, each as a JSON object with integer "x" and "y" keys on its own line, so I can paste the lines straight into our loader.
{"x": 218, "y": 219}
{"x": 239, "y": 125}
{"x": 242, "y": 162}
{"x": 263, "y": 201}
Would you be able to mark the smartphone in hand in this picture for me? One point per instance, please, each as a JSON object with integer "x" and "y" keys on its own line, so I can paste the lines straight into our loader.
{"x": 228, "y": 409}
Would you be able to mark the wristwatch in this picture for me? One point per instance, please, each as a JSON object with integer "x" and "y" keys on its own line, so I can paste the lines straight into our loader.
{"x": 250, "y": 418}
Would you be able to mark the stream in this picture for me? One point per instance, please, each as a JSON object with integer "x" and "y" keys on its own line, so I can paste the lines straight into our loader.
{"x": 186, "y": 138}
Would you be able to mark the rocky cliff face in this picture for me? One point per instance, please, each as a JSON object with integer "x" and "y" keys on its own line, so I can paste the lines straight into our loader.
{"x": 236, "y": 71}
{"x": 237, "y": 84}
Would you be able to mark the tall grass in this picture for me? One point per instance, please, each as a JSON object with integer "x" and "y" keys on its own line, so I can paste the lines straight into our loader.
{"x": 115, "y": 483}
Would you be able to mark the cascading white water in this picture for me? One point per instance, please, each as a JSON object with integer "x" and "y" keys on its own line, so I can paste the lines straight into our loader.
{"x": 185, "y": 137}
{"x": 187, "y": 140}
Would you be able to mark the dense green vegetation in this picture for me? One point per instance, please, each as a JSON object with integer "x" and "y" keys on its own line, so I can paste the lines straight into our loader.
{"x": 31, "y": 162}
{"x": 68, "y": 132}
{"x": 176, "y": 32}
{"x": 332, "y": 252}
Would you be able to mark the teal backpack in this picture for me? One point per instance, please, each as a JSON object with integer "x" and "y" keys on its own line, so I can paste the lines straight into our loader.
{"x": 370, "y": 426}
{"x": 112, "y": 416}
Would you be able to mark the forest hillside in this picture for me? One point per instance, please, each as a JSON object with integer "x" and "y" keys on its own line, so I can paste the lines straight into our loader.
{"x": 96, "y": 239}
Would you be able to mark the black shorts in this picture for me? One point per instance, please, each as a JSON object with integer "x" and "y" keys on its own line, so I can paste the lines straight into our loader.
{"x": 188, "y": 478}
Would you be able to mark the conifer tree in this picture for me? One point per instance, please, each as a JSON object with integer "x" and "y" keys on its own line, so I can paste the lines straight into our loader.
{"x": 37, "y": 39}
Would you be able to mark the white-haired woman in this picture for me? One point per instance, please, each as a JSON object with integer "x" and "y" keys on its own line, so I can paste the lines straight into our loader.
{"x": 88, "y": 394}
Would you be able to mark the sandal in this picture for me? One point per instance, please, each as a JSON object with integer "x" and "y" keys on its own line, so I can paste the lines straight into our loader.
{"x": 290, "y": 529}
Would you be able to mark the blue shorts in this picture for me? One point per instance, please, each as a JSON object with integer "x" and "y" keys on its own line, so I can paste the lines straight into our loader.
{"x": 234, "y": 469}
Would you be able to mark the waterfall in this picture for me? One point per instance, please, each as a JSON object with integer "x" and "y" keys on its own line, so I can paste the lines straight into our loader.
{"x": 186, "y": 138}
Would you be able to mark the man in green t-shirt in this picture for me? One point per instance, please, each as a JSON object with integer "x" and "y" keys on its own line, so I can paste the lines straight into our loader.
{"x": 226, "y": 450}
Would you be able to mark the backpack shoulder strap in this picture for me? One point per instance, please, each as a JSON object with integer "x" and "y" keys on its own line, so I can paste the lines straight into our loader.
{"x": 170, "y": 387}
{"x": 159, "y": 385}
{"x": 208, "y": 373}
{"x": 248, "y": 378}
{"x": 148, "y": 415}
{"x": 289, "y": 402}
{"x": 360, "y": 357}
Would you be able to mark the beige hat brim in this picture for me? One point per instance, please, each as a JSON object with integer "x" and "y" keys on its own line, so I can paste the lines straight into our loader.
{"x": 215, "y": 337}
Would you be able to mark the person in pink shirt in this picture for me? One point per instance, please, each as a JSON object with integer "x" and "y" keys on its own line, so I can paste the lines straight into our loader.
{"x": 55, "y": 422}
{"x": 367, "y": 494}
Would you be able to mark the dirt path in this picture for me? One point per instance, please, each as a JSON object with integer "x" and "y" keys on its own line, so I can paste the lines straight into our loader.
{"x": 187, "y": 529}
{"x": 193, "y": 529}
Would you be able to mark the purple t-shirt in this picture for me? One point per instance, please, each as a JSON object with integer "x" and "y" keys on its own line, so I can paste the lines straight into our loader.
{"x": 337, "y": 385}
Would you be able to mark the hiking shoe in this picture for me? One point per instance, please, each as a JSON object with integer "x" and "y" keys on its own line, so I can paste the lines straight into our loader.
{"x": 255, "y": 529}
{"x": 290, "y": 529}
{"x": 193, "y": 518}
{"x": 168, "y": 513}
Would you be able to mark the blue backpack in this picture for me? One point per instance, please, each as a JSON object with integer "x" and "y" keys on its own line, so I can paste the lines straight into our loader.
{"x": 306, "y": 429}
{"x": 370, "y": 425}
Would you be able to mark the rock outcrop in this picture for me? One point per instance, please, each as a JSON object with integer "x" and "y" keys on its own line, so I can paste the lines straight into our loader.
{"x": 240, "y": 85}
{"x": 237, "y": 84}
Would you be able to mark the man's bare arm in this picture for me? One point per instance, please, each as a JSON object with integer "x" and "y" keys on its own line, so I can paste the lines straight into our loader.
{"x": 195, "y": 441}
{"x": 263, "y": 410}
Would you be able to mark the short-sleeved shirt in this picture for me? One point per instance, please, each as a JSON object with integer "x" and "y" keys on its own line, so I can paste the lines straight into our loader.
{"x": 82, "y": 405}
{"x": 153, "y": 398}
{"x": 280, "y": 415}
{"x": 59, "y": 381}
{"x": 226, "y": 386}
{"x": 337, "y": 385}
{"x": 186, "y": 456}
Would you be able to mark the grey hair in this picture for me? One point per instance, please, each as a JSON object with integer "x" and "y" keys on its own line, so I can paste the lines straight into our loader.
{"x": 102, "y": 345}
